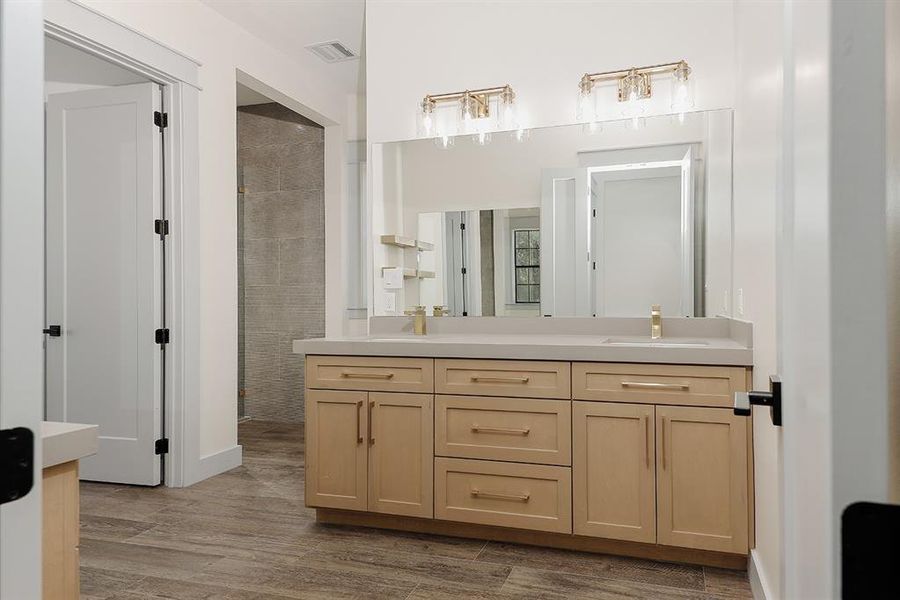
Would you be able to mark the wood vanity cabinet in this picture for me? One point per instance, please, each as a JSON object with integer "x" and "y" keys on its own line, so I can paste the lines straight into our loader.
{"x": 370, "y": 451}
{"x": 643, "y": 459}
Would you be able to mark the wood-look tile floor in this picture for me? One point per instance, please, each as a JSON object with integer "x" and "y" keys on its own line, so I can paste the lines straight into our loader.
{"x": 245, "y": 535}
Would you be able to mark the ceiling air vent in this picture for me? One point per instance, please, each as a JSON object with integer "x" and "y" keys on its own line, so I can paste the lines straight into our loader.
{"x": 331, "y": 52}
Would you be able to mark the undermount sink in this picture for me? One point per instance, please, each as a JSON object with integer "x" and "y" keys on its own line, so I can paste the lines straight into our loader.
{"x": 660, "y": 343}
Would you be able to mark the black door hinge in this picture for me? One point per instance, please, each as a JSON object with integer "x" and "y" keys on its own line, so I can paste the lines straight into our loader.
{"x": 161, "y": 227}
{"x": 463, "y": 270}
{"x": 594, "y": 265}
{"x": 160, "y": 119}
{"x": 16, "y": 463}
{"x": 54, "y": 330}
{"x": 162, "y": 446}
{"x": 594, "y": 212}
{"x": 162, "y": 336}
{"x": 462, "y": 226}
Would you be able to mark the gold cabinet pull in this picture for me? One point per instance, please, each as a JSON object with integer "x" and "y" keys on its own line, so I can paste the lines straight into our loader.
{"x": 499, "y": 496}
{"x": 495, "y": 379}
{"x": 664, "y": 443}
{"x": 648, "y": 385}
{"x": 352, "y": 375}
{"x": 509, "y": 430}
{"x": 647, "y": 439}
{"x": 359, "y": 438}
{"x": 371, "y": 435}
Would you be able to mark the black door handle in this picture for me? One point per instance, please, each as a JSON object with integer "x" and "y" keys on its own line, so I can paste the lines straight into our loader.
{"x": 772, "y": 399}
{"x": 16, "y": 463}
{"x": 54, "y": 330}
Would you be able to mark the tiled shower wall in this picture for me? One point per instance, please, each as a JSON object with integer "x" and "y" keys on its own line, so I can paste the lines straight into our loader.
{"x": 281, "y": 255}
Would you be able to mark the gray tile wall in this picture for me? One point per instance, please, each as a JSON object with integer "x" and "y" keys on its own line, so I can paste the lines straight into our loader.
{"x": 281, "y": 253}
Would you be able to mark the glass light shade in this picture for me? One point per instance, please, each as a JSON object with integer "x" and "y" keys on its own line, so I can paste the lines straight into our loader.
{"x": 682, "y": 89}
{"x": 426, "y": 121}
{"x": 468, "y": 112}
{"x": 632, "y": 103}
{"x": 586, "y": 105}
{"x": 507, "y": 115}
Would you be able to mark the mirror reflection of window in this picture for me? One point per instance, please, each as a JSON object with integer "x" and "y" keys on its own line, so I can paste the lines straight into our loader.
{"x": 527, "y": 265}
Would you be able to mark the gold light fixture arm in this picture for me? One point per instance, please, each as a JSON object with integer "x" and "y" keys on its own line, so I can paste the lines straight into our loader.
{"x": 481, "y": 97}
{"x": 636, "y": 78}
{"x": 649, "y": 70}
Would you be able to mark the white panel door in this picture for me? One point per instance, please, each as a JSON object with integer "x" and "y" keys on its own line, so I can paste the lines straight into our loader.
{"x": 104, "y": 284}
{"x": 639, "y": 243}
{"x": 565, "y": 235}
{"x": 21, "y": 280}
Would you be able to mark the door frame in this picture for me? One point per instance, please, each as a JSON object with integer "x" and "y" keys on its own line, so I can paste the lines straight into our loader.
{"x": 178, "y": 76}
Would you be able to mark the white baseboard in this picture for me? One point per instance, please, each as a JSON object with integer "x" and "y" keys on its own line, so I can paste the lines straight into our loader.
{"x": 759, "y": 584}
{"x": 216, "y": 463}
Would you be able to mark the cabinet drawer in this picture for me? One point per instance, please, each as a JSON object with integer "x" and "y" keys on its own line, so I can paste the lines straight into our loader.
{"x": 511, "y": 429}
{"x": 521, "y": 379}
{"x": 372, "y": 373}
{"x": 503, "y": 494}
{"x": 658, "y": 384}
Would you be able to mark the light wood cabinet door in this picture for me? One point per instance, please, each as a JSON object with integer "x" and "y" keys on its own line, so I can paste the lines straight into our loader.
{"x": 401, "y": 454}
{"x": 336, "y": 449}
{"x": 613, "y": 471}
{"x": 702, "y": 465}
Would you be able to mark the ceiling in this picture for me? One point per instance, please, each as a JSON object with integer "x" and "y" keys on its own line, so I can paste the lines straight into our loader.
{"x": 290, "y": 25}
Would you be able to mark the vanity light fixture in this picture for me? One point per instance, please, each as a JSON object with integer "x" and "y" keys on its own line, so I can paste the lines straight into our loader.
{"x": 635, "y": 86}
{"x": 476, "y": 109}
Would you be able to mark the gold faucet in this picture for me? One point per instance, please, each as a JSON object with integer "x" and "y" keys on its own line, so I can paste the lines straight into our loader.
{"x": 418, "y": 314}
{"x": 440, "y": 311}
{"x": 655, "y": 322}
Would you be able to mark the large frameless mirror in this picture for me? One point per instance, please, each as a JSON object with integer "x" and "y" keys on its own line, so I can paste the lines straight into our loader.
{"x": 570, "y": 221}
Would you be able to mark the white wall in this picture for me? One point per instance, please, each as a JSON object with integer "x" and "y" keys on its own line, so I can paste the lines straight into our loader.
{"x": 757, "y": 152}
{"x": 540, "y": 48}
{"x": 223, "y": 48}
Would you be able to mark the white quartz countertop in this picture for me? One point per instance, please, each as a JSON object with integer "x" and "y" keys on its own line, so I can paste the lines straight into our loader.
{"x": 64, "y": 442}
{"x": 710, "y": 344}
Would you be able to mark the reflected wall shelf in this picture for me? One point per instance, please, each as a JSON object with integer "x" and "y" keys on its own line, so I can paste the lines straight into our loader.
{"x": 406, "y": 242}
{"x": 409, "y": 273}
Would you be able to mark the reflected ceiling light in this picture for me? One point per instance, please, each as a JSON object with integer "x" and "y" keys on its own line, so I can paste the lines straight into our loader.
{"x": 476, "y": 107}
{"x": 635, "y": 87}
